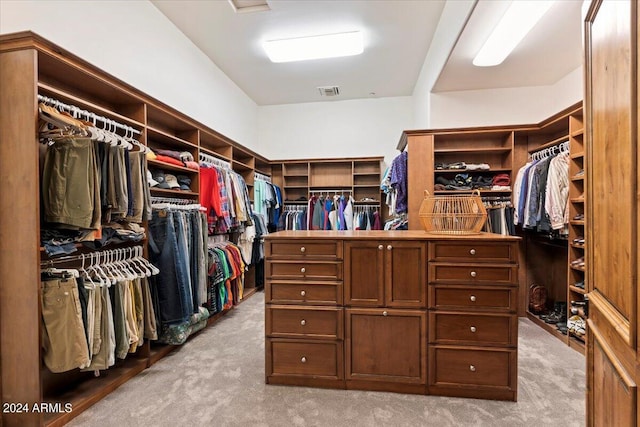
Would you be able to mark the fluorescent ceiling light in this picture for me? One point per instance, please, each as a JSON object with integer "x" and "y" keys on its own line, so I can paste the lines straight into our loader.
{"x": 314, "y": 47}
{"x": 519, "y": 19}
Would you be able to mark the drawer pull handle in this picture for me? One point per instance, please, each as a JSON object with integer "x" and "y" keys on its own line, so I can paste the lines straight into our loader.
{"x": 385, "y": 313}
{"x": 303, "y": 270}
{"x": 380, "y": 247}
{"x": 389, "y": 247}
{"x": 303, "y": 293}
{"x": 474, "y": 274}
{"x": 473, "y": 329}
{"x": 303, "y": 322}
{"x": 472, "y": 368}
{"x": 472, "y": 251}
{"x": 303, "y": 249}
{"x": 303, "y": 360}
{"x": 472, "y": 298}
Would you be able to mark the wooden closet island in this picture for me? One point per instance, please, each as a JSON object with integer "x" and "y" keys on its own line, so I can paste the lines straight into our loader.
{"x": 400, "y": 311}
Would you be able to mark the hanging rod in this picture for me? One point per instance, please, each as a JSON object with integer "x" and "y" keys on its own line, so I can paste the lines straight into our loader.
{"x": 89, "y": 255}
{"x": 258, "y": 175}
{"x": 173, "y": 201}
{"x": 330, "y": 190}
{"x": 86, "y": 114}
{"x": 543, "y": 153}
{"x": 206, "y": 158}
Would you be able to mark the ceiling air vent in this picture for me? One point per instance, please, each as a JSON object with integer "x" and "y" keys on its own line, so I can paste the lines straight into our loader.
{"x": 244, "y": 6}
{"x": 329, "y": 90}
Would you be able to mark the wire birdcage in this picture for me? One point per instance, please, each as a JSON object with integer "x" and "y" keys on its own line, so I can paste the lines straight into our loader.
{"x": 453, "y": 214}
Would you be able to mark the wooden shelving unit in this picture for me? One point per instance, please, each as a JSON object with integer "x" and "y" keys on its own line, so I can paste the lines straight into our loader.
{"x": 32, "y": 65}
{"x": 577, "y": 190}
{"x": 359, "y": 176}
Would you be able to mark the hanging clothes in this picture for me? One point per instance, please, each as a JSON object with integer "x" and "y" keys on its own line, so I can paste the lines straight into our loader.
{"x": 541, "y": 192}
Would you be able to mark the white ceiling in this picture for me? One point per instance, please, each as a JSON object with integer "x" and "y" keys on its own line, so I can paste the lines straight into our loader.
{"x": 397, "y": 36}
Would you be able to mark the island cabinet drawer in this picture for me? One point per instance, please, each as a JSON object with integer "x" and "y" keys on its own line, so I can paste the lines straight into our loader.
{"x": 496, "y": 252}
{"x": 476, "y": 298}
{"x": 304, "y": 270}
{"x": 473, "y": 273}
{"x": 495, "y": 368}
{"x": 304, "y": 249}
{"x": 305, "y": 359}
{"x": 314, "y": 293}
{"x": 473, "y": 329}
{"x": 304, "y": 322}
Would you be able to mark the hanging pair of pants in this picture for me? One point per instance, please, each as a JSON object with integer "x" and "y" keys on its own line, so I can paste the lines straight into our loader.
{"x": 63, "y": 335}
{"x": 171, "y": 287}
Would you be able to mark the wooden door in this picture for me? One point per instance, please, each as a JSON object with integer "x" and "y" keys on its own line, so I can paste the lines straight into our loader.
{"x": 386, "y": 345}
{"x": 364, "y": 273}
{"x": 405, "y": 274}
{"x": 611, "y": 105}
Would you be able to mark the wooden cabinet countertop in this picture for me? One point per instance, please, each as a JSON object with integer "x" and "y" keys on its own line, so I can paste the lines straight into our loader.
{"x": 385, "y": 235}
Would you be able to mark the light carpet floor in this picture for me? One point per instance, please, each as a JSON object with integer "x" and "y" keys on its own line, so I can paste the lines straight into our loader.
{"x": 217, "y": 379}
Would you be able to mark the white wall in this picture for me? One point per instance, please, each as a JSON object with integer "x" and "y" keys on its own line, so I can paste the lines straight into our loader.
{"x": 505, "y": 106}
{"x": 351, "y": 128}
{"x": 136, "y": 43}
{"x": 452, "y": 21}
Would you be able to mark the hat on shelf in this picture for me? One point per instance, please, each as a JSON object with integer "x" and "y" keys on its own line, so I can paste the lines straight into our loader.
{"x": 160, "y": 178}
{"x": 185, "y": 182}
{"x": 152, "y": 182}
{"x": 172, "y": 181}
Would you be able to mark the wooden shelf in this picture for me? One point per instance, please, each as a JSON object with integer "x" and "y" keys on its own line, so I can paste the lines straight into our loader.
{"x": 470, "y": 191}
{"x": 577, "y": 155}
{"x": 473, "y": 150}
{"x": 366, "y": 174}
{"x": 577, "y": 290}
{"x": 577, "y": 200}
{"x": 577, "y": 222}
{"x": 573, "y": 267}
{"x": 169, "y": 166}
{"x": 214, "y": 154}
{"x": 456, "y": 171}
{"x": 296, "y": 186}
{"x": 573, "y": 245}
{"x": 239, "y": 166}
{"x": 578, "y": 132}
{"x": 166, "y": 138}
{"x": 295, "y": 175}
{"x": 173, "y": 192}
{"x": 577, "y": 178}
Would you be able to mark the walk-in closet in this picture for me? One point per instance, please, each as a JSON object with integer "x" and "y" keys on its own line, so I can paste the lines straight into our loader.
{"x": 197, "y": 228}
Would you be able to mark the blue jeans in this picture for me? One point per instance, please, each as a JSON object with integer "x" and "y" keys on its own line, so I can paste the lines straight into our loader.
{"x": 172, "y": 283}
{"x": 183, "y": 264}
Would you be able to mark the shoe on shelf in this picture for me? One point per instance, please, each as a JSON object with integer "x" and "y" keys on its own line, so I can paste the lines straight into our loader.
{"x": 578, "y": 241}
{"x": 580, "y": 172}
{"x": 579, "y": 284}
{"x": 579, "y": 217}
{"x": 578, "y": 262}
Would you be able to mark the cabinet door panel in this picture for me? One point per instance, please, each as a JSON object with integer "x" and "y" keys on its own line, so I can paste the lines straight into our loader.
{"x": 406, "y": 271}
{"x": 386, "y": 345}
{"x": 364, "y": 273}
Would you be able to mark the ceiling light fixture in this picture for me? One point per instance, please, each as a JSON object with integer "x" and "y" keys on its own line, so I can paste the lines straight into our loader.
{"x": 518, "y": 20}
{"x": 314, "y": 47}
